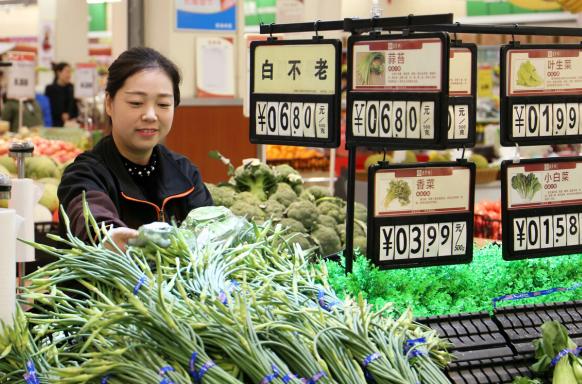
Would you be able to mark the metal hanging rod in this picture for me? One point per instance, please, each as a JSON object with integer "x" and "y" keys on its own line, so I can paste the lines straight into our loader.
{"x": 426, "y": 23}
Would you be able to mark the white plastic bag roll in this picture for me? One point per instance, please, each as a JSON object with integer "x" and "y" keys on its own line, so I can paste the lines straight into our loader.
{"x": 23, "y": 201}
{"x": 8, "y": 227}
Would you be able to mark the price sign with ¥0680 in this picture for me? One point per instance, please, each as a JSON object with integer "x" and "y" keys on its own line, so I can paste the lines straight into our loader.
{"x": 542, "y": 207}
{"x": 85, "y": 80}
{"x": 295, "y": 94}
{"x": 541, "y": 94}
{"x": 21, "y": 76}
{"x": 420, "y": 214}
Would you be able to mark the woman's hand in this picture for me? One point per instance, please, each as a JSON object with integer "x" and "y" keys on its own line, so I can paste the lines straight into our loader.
{"x": 120, "y": 236}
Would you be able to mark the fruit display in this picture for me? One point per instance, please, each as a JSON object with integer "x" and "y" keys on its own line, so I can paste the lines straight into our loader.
{"x": 263, "y": 192}
{"x": 488, "y": 220}
{"x": 219, "y": 300}
{"x": 300, "y": 158}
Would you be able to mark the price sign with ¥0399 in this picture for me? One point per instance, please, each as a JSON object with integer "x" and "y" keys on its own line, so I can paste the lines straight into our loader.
{"x": 421, "y": 214}
{"x": 541, "y": 94}
{"x": 462, "y": 95}
{"x": 398, "y": 90}
{"x": 541, "y": 207}
{"x": 295, "y": 94}
{"x": 21, "y": 76}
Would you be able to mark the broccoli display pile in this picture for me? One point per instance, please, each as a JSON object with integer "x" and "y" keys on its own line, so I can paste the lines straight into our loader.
{"x": 314, "y": 217}
{"x": 398, "y": 189}
{"x": 526, "y": 186}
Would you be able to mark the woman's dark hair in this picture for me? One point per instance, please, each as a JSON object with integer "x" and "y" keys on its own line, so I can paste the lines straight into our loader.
{"x": 58, "y": 68}
{"x": 138, "y": 59}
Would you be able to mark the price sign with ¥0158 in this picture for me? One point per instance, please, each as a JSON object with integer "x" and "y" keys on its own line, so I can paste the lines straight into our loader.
{"x": 85, "y": 80}
{"x": 295, "y": 94}
{"x": 398, "y": 98}
{"x": 541, "y": 94}
{"x": 421, "y": 214}
{"x": 541, "y": 207}
{"x": 21, "y": 75}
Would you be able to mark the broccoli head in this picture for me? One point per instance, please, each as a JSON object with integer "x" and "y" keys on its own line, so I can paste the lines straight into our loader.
{"x": 331, "y": 209}
{"x": 315, "y": 193}
{"x": 398, "y": 189}
{"x": 301, "y": 239}
{"x": 293, "y": 225}
{"x": 249, "y": 211}
{"x": 327, "y": 239}
{"x": 361, "y": 243}
{"x": 248, "y": 197}
{"x": 358, "y": 231}
{"x": 255, "y": 177}
{"x": 326, "y": 221}
{"x": 287, "y": 174}
{"x": 284, "y": 194}
{"x": 222, "y": 196}
{"x": 304, "y": 212}
{"x": 273, "y": 208}
{"x": 360, "y": 212}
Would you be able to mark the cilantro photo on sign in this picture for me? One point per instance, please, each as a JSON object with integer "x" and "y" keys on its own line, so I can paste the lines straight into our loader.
{"x": 370, "y": 68}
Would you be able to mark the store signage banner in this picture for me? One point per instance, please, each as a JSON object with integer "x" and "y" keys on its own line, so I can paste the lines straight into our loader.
{"x": 295, "y": 92}
{"x": 541, "y": 94}
{"x": 541, "y": 207}
{"x": 21, "y": 75}
{"x": 398, "y": 91}
{"x": 215, "y": 71}
{"x": 421, "y": 214}
{"x": 462, "y": 95}
{"x": 207, "y": 15}
{"x": 85, "y": 80}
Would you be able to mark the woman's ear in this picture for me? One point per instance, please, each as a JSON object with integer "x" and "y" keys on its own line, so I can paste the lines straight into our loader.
{"x": 108, "y": 104}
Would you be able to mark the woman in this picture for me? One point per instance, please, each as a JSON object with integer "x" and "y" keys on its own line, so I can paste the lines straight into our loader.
{"x": 61, "y": 95}
{"x": 129, "y": 178}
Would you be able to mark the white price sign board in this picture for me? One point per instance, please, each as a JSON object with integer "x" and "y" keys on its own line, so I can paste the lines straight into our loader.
{"x": 420, "y": 215}
{"x": 85, "y": 80}
{"x": 541, "y": 94}
{"x": 542, "y": 207}
{"x": 21, "y": 75}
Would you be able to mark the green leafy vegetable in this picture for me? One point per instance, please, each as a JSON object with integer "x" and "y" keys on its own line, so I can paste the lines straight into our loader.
{"x": 526, "y": 186}
{"x": 528, "y": 76}
{"x": 398, "y": 189}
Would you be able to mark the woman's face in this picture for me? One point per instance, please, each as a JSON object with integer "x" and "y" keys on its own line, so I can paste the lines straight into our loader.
{"x": 141, "y": 113}
{"x": 65, "y": 75}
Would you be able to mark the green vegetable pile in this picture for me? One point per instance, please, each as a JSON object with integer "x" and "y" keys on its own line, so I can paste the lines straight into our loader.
{"x": 555, "y": 354}
{"x": 459, "y": 288}
{"x": 217, "y": 301}
{"x": 316, "y": 219}
{"x": 526, "y": 186}
{"x": 397, "y": 189}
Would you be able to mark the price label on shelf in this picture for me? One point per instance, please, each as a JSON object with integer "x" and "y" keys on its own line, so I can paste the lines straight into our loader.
{"x": 463, "y": 95}
{"x": 295, "y": 92}
{"x": 541, "y": 207}
{"x": 541, "y": 88}
{"x": 21, "y": 76}
{"x": 420, "y": 215}
{"x": 85, "y": 80}
{"x": 396, "y": 98}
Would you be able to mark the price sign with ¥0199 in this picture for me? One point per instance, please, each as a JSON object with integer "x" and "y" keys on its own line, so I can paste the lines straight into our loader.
{"x": 21, "y": 76}
{"x": 295, "y": 94}
{"x": 541, "y": 94}
{"x": 396, "y": 97}
{"x": 541, "y": 207}
{"x": 421, "y": 214}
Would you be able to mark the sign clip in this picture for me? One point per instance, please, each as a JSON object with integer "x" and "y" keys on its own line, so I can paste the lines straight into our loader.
{"x": 513, "y": 41}
{"x": 316, "y": 29}
{"x": 516, "y": 155}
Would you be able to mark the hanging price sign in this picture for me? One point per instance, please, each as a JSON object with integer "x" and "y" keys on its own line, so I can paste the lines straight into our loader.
{"x": 295, "y": 94}
{"x": 463, "y": 95}
{"x": 420, "y": 215}
{"x": 85, "y": 80}
{"x": 541, "y": 94}
{"x": 398, "y": 90}
{"x": 21, "y": 76}
{"x": 541, "y": 207}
